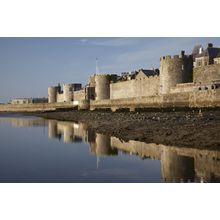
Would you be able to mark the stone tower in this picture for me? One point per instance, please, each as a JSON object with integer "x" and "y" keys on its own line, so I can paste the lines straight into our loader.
{"x": 102, "y": 86}
{"x": 174, "y": 70}
{"x": 68, "y": 92}
{"x": 52, "y": 94}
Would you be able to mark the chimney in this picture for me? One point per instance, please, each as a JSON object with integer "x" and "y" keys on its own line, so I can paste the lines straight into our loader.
{"x": 210, "y": 45}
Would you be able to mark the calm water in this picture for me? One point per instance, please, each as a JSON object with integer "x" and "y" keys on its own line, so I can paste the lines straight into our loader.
{"x": 37, "y": 150}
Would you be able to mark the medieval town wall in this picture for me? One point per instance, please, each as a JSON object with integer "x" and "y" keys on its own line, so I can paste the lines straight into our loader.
{"x": 38, "y": 107}
{"x": 182, "y": 87}
{"x": 197, "y": 99}
{"x": 79, "y": 95}
{"x": 60, "y": 97}
{"x": 206, "y": 74}
{"x": 147, "y": 86}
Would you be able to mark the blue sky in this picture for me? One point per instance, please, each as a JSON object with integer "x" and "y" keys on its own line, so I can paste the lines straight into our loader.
{"x": 29, "y": 65}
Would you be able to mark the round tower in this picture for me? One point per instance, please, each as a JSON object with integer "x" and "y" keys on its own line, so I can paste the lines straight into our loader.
{"x": 102, "y": 87}
{"x": 174, "y": 70}
{"x": 52, "y": 94}
{"x": 68, "y": 92}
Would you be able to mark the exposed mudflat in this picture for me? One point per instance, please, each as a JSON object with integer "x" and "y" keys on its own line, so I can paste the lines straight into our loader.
{"x": 178, "y": 128}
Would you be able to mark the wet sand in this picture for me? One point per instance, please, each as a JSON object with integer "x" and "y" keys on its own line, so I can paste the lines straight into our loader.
{"x": 179, "y": 128}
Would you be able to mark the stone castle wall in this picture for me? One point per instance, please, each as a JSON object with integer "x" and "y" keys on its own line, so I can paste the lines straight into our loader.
{"x": 60, "y": 97}
{"x": 206, "y": 74}
{"x": 198, "y": 99}
{"x": 79, "y": 95}
{"x": 38, "y": 107}
{"x": 182, "y": 87}
{"x": 135, "y": 88}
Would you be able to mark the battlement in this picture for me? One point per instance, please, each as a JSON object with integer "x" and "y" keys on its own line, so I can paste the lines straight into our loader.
{"x": 52, "y": 87}
{"x": 67, "y": 84}
{"x": 168, "y": 57}
{"x": 102, "y": 75}
{"x": 144, "y": 78}
{"x": 174, "y": 57}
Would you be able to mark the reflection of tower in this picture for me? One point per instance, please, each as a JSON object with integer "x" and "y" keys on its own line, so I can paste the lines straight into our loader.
{"x": 80, "y": 131}
{"x": 93, "y": 147}
{"x": 176, "y": 168}
{"x": 103, "y": 147}
{"x": 67, "y": 133}
{"x": 100, "y": 145}
{"x": 207, "y": 166}
{"x": 97, "y": 162}
{"x": 52, "y": 129}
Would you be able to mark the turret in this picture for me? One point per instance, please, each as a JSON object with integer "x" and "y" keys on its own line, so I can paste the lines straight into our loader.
{"x": 174, "y": 70}
{"x": 52, "y": 94}
{"x": 102, "y": 86}
{"x": 68, "y": 92}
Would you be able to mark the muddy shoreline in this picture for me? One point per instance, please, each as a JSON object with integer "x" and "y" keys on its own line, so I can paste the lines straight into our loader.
{"x": 177, "y": 128}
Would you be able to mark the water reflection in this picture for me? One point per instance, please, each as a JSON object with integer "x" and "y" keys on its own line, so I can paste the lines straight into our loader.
{"x": 177, "y": 164}
{"x": 23, "y": 122}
